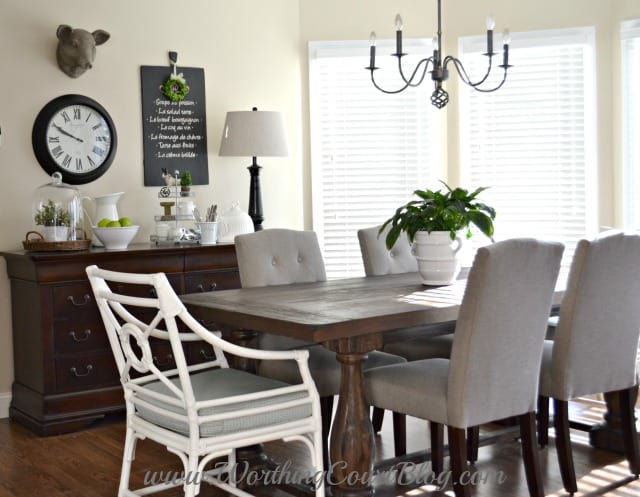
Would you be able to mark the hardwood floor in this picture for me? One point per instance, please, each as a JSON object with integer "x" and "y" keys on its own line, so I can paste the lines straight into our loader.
{"x": 87, "y": 464}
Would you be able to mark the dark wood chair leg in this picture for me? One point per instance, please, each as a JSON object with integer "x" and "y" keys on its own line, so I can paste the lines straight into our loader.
{"x": 530, "y": 454}
{"x": 563, "y": 445}
{"x": 459, "y": 465}
{"x": 628, "y": 425}
{"x": 473, "y": 441}
{"x": 326, "y": 411}
{"x": 543, "y": 421}
{"x": 436, "y": 433}
{"x": 400, "y": 433}
{"x": 377, "y": 416}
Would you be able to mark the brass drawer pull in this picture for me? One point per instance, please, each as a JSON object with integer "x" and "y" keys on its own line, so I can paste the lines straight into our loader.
{"x": 75, "y": 373}
{"x": 168, "y": 357}
{"x": 84, "y": 338}
{"x": 87, "y": 299}
{"x": 204, "y": 354}
{"x": 212, "y": 286}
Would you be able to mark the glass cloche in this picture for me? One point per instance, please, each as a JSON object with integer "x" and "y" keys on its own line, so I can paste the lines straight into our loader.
{"x": 57, "y": 211}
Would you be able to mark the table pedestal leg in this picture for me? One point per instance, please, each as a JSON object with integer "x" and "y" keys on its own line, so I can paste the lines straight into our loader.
{"x": 352, "y": 439}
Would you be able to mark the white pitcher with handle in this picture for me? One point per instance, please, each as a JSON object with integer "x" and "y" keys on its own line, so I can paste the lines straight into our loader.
{"x": 105, "y": 206}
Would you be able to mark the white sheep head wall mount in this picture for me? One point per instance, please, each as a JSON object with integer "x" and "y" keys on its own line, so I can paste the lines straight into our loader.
{"x": 77, "y": 49}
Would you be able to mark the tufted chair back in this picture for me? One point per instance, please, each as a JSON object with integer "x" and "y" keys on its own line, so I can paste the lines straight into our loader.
{"x": 279, "y": 257}
{"x": 378, "y": 260}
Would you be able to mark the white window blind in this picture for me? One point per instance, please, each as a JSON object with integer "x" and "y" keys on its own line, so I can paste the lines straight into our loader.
{"x": 630, "y": 38}
{"x": 370, "y": 150}
{"x": 533, "y": 141}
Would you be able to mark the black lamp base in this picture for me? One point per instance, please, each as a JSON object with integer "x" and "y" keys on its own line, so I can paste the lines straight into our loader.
{"x": 255, "y": 196}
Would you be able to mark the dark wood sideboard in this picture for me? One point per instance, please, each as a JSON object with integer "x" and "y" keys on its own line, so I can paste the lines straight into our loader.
{"x": 65, "y": 377}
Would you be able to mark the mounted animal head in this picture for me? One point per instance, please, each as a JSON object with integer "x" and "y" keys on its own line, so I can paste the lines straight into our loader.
{"x": 77, "y": 49}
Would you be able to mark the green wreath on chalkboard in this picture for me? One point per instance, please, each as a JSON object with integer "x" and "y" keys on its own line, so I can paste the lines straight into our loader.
{"x": 175, "y": 88}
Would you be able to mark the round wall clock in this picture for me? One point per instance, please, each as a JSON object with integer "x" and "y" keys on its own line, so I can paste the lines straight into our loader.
{"x": 74, "y": 135}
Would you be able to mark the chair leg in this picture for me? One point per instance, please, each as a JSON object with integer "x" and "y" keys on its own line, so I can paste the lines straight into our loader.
{"x": 400, "y": 433}
{"x": 530, "y": 454}
{"x": 473, "y": 441}
{"x": 563, "y": 445}
{"x": 127, "y": 459}
{"x": 629, "y": 434}
{"x": 377, "y": 416}
{"x": 543, "y": 421}
{"x": 326, "y": 411}
{"x": 459, "y": 465}
{"x": 436, "y": 432}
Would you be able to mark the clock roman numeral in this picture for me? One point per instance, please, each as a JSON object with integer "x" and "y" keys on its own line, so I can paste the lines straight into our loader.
{"x": 65, "y": 116}
{"x": 76, "y": 112}
{"x": 91, "y": 163}
{"x": 102, "y": 139}
{"x": 66, "y": 161}
{"x": 57, "y": 152}
{"x": 54, "y": 139}
{"x": 88, "y": 117}
{"x": 97, "y": 126}
{"x": 78, "y": 164}
{"x": 98, "y": 151}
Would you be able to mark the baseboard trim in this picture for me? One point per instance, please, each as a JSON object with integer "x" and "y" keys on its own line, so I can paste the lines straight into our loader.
{"x": 5, "y": 400}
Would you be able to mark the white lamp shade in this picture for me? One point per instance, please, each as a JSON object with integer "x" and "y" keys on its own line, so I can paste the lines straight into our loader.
{"x": 254, "y": 134}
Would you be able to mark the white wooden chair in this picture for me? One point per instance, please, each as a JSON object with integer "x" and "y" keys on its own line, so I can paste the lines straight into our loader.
{"x": 203, "y": 411}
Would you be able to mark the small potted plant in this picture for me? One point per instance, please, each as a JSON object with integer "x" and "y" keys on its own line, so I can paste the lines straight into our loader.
{"x": 53, "y": 221}
{"x": 185, "y": 181}
{"x": 433, "y": 224}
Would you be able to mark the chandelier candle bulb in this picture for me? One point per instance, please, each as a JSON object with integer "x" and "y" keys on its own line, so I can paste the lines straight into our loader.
{"x": 506, "y": 39}
{"x": 399, "y": 36}
{"x": 372, "y": 50}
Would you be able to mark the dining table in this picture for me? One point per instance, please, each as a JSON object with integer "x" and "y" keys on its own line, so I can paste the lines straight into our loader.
{"x": 349, "y": 316}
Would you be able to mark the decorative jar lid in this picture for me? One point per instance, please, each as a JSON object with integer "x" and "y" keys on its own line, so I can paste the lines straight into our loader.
{"x": 234, "y": 222}
{"x": 57, "y": 211}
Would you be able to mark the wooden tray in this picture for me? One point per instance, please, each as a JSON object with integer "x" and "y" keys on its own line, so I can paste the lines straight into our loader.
{"x": 38, "y": 243}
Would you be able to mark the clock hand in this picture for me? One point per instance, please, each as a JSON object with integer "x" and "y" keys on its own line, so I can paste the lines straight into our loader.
{"x": 67, "y": 133}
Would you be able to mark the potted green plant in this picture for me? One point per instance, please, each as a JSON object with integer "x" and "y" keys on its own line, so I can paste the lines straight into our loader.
{"x": 53, "y": 221}
{"x": 433, "y": 224}
{"x": 185, "y": 181}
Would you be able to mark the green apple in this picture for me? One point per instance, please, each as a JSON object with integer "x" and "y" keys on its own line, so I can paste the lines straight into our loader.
{"x": 114, "y": 224}
{"x": 103, "y": 222}
{"x": 125, "y": 221}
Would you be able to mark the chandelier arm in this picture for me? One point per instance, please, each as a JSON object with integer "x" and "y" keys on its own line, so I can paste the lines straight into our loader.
{"x": 415, "y": 71}
{"x": 489, "y": 90}
{"x": 389, "y": 92}
{"x": 464, "y": 76}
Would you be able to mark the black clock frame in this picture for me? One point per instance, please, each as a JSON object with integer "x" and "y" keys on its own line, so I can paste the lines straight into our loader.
{"x": 41, "y": 149}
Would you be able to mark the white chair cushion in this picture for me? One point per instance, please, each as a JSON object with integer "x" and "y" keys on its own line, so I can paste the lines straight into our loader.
{"x": 220, "y": 383}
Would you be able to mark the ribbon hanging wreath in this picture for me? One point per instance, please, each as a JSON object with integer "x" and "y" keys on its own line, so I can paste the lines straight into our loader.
{"x": 175, "y": 87}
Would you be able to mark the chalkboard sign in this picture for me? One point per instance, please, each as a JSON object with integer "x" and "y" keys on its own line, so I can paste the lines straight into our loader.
{"x": 174, "y": 133}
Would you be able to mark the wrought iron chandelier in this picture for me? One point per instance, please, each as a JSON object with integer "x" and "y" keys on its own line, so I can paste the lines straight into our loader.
{"x": 439, "y": 65}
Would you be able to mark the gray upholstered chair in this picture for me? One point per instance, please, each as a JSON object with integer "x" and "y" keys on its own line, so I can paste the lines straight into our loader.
{"x": 494, "y": 365}
{"x": 283, "y": 256}
{"x": 595, "y": 342}
{"x": 411, "y": 344}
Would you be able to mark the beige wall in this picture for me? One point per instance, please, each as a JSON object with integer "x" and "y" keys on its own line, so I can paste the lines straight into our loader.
{"x": 249, "y": 50}
{"x": 254, "y": 52}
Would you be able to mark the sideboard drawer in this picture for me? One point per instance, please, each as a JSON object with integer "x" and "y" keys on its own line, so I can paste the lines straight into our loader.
{"x": 208, "y": 281}
{"x": 74, "y": 300}
{"x": 86, "y": 371}
{"x": 77, "y": 336}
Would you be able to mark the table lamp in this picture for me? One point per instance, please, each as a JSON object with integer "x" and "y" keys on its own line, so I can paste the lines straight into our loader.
{"x": 251, "y": 134}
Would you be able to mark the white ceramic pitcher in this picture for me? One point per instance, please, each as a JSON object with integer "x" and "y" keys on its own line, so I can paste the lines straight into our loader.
{"x": 105, "y": 206}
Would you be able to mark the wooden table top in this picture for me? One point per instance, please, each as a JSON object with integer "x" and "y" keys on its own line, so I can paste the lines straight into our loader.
{"x": 336, "y": 308}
